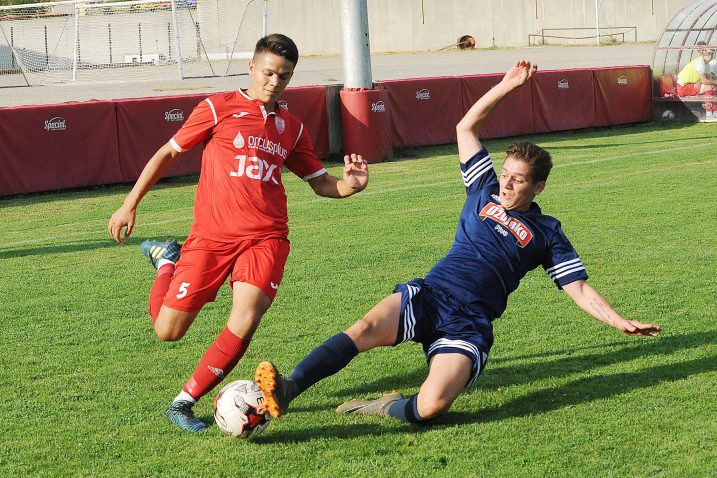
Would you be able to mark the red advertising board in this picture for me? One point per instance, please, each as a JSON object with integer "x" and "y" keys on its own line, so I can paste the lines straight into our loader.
{"x": 145, "y": 124}
{"x": 49, "y": 147}
{"x": 308, "y": 103}
{"x": 424, "y": 110}
{"x": 562, "y": 100}
{"x": 623, "y": 95}
{"x": 366, "y": 123}
{"x": 512, "y": 117}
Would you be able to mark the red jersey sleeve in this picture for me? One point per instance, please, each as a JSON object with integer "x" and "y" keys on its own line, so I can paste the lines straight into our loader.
{"x": 302, "y": 160}
{"x": 199, "y": 125}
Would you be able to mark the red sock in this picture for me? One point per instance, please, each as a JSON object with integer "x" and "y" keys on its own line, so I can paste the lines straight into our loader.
{"x": 159, "y": 289}
{"x": 217, "y": 362}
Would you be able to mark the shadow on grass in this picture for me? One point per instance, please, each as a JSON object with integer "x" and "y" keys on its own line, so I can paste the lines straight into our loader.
{"x": 132, "y": 244}
{"x": 58, "y": 249}
{"x": 314, "y": 432}
{"x": 578, "y": 391}
{"x": 89, "y": 192}
{"x": 584, "y": 390}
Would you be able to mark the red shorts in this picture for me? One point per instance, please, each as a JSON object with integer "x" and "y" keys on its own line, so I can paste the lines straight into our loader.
{"x": 690, "y": 89}
{"x": 205, "y": 265}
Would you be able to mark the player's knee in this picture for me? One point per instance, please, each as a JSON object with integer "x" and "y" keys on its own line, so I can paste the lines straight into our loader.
{"x": 361, "y": 329}
{"x": 168, "y": 334}
{"x": 431, "y": 406}
{"x": 168, "y": 330}
{"x": 366, "y": 334}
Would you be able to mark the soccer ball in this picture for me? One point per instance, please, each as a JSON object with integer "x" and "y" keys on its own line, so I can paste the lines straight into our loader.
{"x": 668, "y": 115}
{"x": 239, "y": 409}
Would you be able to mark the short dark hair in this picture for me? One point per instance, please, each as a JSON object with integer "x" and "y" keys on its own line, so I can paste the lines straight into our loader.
{"x": 538, "y": 159}
{"x": 278, "y": 44}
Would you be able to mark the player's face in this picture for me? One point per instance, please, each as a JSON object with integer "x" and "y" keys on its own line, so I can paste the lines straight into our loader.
{"x": 270, "y": 74}
{"x": 517, "y": 189}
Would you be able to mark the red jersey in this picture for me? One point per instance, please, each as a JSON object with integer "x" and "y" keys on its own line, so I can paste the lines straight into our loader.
{"x": 240, "y": 195}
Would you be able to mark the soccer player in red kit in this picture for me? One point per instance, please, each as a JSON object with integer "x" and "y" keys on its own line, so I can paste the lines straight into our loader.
{"x": 240, "y": 214}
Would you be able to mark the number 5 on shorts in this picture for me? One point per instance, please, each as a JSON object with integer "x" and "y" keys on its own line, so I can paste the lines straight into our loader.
{"x": 183, "y": 290}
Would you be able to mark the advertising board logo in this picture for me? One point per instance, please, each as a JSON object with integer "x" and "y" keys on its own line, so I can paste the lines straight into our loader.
{"x": 622, "y": 80}
{"x": 174, "y": 115}
{"x": 563, "y": 84}
{"x": 378, "y": 107}
{"x": 423, "y": 94}
{"x": 56, "y": 124}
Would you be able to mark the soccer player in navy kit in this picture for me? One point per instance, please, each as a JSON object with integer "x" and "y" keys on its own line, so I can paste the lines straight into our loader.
{"x": 502, "y": 234}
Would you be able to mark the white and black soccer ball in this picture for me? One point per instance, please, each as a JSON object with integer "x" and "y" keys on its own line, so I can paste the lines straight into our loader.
{"x": 668, "y": 115}
{"x": 239, "y": 409}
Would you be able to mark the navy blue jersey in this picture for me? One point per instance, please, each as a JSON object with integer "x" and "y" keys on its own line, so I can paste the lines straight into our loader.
{"x": 494, "y": 248}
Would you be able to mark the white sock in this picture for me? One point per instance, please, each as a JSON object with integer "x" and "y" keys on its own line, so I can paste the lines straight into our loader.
{"x": 162, "y": 262}
{"x": 186, "y": 397}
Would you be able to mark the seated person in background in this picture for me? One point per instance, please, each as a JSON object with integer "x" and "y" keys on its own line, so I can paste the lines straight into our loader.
{"x": 698, "y": 76}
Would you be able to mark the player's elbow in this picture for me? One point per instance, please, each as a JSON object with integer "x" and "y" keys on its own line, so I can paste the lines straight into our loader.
{"x": 463, "y": 128}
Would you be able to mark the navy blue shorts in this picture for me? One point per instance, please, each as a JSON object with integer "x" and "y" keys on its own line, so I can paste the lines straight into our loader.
{"x": 442, "y": 324}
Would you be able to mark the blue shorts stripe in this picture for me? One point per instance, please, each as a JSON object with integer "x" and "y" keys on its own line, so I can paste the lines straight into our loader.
{"x": 442, "y": 325}
{"x": 445, "y": 345}
{"x": 409, "y": 318}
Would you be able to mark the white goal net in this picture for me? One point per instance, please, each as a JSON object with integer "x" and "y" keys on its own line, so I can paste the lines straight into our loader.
{"x": 96, "y": 41}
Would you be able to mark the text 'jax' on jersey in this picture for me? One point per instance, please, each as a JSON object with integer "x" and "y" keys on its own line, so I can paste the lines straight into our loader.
{"x": 240, "y": 194}
{"x": 494, "y": 248}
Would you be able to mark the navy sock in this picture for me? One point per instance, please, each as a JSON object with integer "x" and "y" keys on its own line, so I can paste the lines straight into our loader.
{"x": 405, "y": 410}
{"x": 324, "y": 361}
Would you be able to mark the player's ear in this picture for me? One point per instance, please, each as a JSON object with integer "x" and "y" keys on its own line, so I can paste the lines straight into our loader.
{"x": 539, "y": 187}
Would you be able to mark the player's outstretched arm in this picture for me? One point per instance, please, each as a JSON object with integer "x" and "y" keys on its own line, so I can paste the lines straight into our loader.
{"x": 125, "y": 217}
{"x": 592, "y": 302}
{"x": 469, "y": 127}
{"x": 355, "y": 179}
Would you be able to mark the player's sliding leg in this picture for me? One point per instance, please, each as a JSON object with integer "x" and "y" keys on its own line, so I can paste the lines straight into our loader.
{"x": 164, "y": 257}
{"x": 325, "y": 360}
{"x": 447, "y": 377}
{"x": 377, "y": 328}
{"x": 248, "y": 306}
{"x": 370, "y": 407}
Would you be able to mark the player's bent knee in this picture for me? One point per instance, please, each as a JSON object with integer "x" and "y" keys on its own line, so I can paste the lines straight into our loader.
{"x": 432, "y": 406}
{"x": 172, "y": 325}
{"x": 432, "y": 409}
{"x": 168, "y": 334}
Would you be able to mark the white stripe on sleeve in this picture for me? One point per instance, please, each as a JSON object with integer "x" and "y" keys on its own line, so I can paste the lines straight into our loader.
{"x": 176, "y": 146}
{"x": 214, "y": 112}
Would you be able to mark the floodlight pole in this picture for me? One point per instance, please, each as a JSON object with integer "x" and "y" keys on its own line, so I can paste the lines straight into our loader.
{"x": 355, "y": 48}
{"x": 597, "y": 21}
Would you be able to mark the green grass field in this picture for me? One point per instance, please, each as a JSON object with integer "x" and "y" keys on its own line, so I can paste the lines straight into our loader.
{"x": 85, "y": 382}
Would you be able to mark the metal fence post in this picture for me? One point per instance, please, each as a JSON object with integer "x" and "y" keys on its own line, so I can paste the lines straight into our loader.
{"x": 175, "y": 21}
{"x": 76, "y": 50}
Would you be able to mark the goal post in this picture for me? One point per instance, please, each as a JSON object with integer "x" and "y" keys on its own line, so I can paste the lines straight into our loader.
{"x": 100, "y": 41}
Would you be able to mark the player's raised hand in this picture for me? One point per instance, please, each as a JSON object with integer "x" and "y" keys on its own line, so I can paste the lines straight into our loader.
{"x": 124, "y": 217}
{"x": 520, "y": 73}
{"x": 633, "y": 327}
{"x": 355, "y": 172}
